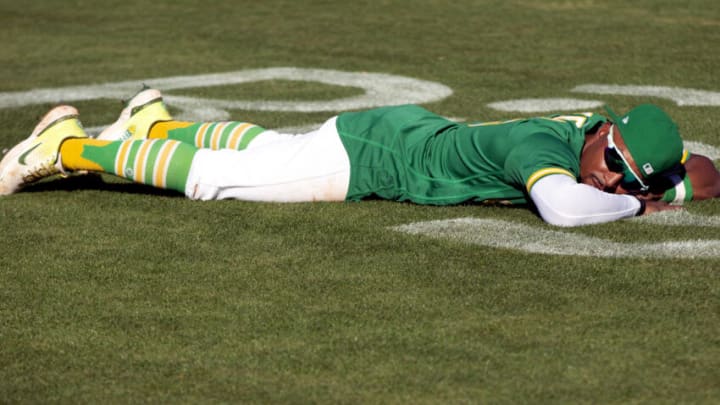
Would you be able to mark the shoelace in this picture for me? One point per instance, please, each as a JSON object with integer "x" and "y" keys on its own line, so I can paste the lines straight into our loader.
{"x": 45, "y": 169}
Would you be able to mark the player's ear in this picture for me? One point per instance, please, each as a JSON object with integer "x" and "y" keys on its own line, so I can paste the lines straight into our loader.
{"x": 596, "y": 134}
{"x": 603, "y": 129}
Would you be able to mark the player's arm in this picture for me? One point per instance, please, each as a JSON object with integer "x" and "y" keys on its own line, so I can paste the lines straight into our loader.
{"x": 562, "y": 201}
{"x": 548, "y": 170}
{"x": 703, "y": 176}
{"x": 700, "y": 181}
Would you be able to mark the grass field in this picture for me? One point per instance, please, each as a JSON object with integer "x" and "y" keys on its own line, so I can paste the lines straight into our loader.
{"x": 114, "y": 293}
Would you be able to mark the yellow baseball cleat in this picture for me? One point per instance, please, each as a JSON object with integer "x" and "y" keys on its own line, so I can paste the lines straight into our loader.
{"x": 38, "y": 156}
{"x": 143, "y": 110}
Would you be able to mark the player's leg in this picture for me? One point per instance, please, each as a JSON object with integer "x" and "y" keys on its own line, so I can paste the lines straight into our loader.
{"x": 146, "y": 117}
{"x": 307, "y": 167}
{"x": 209, "y": 135}
{"x": 59, "y": 145}
{"x": 311, "y": 167}
{"x": 285, "y": 167}
{"x": 161, "y": 163}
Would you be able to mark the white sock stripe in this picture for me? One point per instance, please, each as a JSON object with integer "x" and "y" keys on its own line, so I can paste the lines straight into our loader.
{"x": 243, "y": 130}
{"x": 217, "y": 133}
{"x": 679, "y": 193}
{"x": 141, "y": 160}
{"x": 121, "y": 157}
{"x": 200, "y": 134}
{"x": 116, "y": 164}
{"x": 234, "y": 134}
{"x": 161, "y": 167}
{"x": 157, "y": 167}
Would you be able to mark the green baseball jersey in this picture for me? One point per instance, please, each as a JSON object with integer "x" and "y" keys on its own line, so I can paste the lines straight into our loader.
{"x": 407, "y": 153}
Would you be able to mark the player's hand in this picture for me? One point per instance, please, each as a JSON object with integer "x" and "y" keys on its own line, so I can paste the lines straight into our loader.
{"x": 657, "y": 206}
{"x": 647, "y": 196}
{"x": 640, "y": 195}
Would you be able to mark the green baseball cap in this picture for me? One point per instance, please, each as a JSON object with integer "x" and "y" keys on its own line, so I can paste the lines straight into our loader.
{"x": 652, "y": 138}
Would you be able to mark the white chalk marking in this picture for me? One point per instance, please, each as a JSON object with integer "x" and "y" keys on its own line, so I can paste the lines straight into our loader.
{"x": 679, "y": 218}
{"x": 533, "y": 105}
{"x": 702, "y": 149}
{"x": 509, "y": 235}
{"x": 379, "y": 89}
{"x": 681, "y": 96}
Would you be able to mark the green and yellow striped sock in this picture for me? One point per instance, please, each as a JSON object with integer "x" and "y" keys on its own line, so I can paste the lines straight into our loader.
{"x": 211, "y": 135}
{"x": 156, "y": 162}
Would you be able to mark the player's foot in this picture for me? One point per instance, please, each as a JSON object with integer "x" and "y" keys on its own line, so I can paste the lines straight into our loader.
{"x": 38, "y": 156}
{"x": 143, "y": 110}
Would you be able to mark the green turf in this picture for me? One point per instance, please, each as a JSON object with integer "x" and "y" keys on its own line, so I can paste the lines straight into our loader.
{"x": 114, "y": 293}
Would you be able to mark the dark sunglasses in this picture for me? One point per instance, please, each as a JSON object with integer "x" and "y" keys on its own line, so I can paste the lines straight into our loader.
{"x": 615, "y": 164}
{"x": 657, "y": 184}
{"x": 631, "y": 180}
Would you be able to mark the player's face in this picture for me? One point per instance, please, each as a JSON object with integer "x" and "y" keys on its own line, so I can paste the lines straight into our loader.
{"x": 602, "y": 166}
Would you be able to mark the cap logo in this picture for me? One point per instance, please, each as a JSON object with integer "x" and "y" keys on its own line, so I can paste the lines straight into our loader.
{"x": 625, "y": 120}
{"x": 648, "y": 169}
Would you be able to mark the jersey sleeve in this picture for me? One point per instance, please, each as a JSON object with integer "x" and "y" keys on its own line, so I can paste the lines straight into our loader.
{"x": 540, "y": 155}
{"x": 679, "y": 188}
{"x": 680, "y": 191}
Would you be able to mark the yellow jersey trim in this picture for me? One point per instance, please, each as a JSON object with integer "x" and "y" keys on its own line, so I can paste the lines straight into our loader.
{"x": 685, "y": 156}
{"x": 544, "y": 172}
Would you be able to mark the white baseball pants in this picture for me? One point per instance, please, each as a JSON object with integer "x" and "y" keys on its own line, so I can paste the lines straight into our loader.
{"x": 275, "y": 168}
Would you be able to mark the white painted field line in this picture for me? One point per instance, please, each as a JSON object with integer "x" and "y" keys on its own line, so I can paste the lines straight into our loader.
{"x": 681, "y": 96}
{"x": 679, "y": 218}
{"x": 702, "y": 149}
{"x": 509, "y": 235}
{"x": 533, "y": 105}
{"x": 379, "y": 89}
